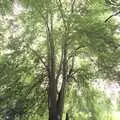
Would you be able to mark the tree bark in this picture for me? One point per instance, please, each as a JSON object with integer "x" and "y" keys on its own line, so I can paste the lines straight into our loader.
{"x": 60, "y": 102}
{"x": 52, "y": 90}
{"x": 67, "y": 116}
{"x": 55, "y": 99}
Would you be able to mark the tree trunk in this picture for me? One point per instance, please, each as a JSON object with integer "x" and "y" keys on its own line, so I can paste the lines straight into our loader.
{"x": 60, "y": 102}
{"x": 67, "y": 116}
{"x": 52, "y": 90}
{"x": 55, "y": 105}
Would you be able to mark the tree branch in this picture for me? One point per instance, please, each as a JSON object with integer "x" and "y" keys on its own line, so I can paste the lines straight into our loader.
{"x": 115, "y": 14}
{"x": 40, "y": 58}
{"x": 60, "y": 7}
{"x": 60, "y": 67}
{"x": 72, "y": 6}
{"x": 72, "y": 66}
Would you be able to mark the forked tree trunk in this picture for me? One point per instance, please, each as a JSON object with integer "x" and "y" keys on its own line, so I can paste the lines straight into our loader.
{"x": 55, "y": 99}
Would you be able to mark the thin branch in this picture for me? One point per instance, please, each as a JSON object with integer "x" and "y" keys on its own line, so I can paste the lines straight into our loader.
{"x": 59, "y": 4}
{"x": 72, "y": 66}
{"x": 115, "y": 14}
{"x": 60, "y": 67}
{"x": 73, "y": 52}
{"x": 72, "y": 6}
{"x": 73, "y": 73}
{"x": 31, "y": 88}
{"x": 40, "y": 58}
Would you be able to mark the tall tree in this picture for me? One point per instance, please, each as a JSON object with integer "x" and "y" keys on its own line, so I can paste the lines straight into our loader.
{"x": 47, "y": 43}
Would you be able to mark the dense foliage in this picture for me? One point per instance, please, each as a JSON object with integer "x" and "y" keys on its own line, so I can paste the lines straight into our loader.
{"x": 52, "y": 55}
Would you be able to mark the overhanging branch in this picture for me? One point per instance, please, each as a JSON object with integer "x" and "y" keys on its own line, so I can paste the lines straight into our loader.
{"x": 115, "y": 14}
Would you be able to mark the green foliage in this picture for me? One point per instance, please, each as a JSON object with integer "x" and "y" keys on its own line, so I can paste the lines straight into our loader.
{"x": 87, "y": 104}
{"x": 23, "y": 42}
{"x": 5, "y": 6}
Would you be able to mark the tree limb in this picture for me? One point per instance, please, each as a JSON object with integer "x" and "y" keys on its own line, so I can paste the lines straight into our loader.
{"x": 115, "y": 14}
{"x": 72, "y": 6}
{"x": 72, "y": 67}
{"x": 40, "y": 58}
{"x": 60, "y": 7}
{"x": 60, "y": 67}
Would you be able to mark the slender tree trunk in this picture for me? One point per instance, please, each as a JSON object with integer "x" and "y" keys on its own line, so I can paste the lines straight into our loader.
{"x": 67, "y": 116}
{"x": 52, "y": 91}
{"x": 60, "y": 101}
